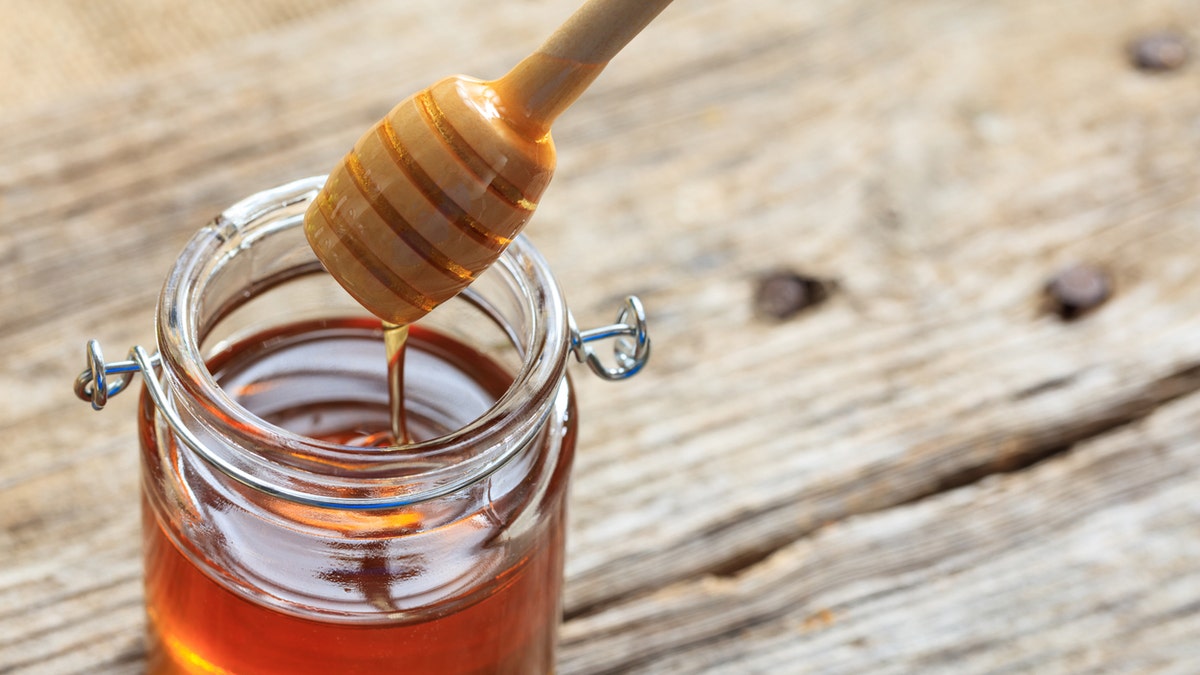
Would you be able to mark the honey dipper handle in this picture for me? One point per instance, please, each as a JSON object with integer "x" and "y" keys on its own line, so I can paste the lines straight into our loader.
{"x": 601, "y": 28}
{"x": 548, "y": 81}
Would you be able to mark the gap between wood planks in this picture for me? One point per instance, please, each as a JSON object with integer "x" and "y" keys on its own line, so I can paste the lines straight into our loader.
{"x": 1121, "y": 413}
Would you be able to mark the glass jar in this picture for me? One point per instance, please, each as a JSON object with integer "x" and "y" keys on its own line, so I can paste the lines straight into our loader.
{"x": 278, "y": 536}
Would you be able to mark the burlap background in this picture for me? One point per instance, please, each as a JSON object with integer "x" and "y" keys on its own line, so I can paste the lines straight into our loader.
{"x": 49, "y": 48}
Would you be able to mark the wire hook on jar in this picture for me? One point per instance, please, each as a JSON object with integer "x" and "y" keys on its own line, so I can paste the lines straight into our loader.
{"x": 631, "y": 348}
{"x": 92, "y": 384}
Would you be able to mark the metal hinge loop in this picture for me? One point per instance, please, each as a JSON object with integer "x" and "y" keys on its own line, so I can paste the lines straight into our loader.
{"x": 631, "y": 347}
{"x": 93, "y": 385}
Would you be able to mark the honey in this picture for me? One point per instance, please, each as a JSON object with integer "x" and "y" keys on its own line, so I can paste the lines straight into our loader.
{"x": 398, "y": 611}
{"x": 395, "y": 338}
{"x": 197, "y": 626}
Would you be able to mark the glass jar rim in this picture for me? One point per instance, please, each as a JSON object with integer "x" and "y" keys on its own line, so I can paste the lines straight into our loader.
{"x": 379, "y": 479}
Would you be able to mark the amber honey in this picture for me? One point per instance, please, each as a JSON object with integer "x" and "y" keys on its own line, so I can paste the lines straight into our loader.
{"x": 467, "y": 586}
{"x": 197, "y": 626}
{"x": 395, "y": 337}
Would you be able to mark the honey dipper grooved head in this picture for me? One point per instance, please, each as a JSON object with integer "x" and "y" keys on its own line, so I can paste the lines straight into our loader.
{"x": 428, "y": 198}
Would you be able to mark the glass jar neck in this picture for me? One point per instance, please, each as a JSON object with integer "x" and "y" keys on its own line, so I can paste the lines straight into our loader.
{"x": 256, "y": 247}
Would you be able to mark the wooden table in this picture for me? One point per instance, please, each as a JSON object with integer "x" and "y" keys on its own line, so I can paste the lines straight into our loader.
{"x": 930, "y": 471}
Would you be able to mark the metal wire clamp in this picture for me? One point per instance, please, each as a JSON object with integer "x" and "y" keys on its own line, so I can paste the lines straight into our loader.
{"x": 92, "y": 384}
{"x": 631, "y": 349}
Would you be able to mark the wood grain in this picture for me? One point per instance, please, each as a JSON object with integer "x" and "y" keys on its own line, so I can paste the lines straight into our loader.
{"x": 1047, "y": 570}
{"x": 65, "y": 45}
{"x": 926, "y": 473}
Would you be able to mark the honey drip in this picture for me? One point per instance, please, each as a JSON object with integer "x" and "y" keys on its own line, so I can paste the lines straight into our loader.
{"x": 395, "y": 338}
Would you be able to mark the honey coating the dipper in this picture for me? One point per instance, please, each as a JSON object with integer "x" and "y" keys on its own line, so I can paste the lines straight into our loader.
{"x": 430, "y": 196}
{"x": 428, "y": 199}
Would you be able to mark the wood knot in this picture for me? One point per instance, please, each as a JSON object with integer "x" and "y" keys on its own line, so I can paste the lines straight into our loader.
{"x": 1077, "y": 290}
{"x": 1159, "y": 52}
{"x": 782, "y": 294}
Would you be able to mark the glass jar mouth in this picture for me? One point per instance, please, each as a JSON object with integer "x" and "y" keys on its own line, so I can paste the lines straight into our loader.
{"x": 232, "y": 261}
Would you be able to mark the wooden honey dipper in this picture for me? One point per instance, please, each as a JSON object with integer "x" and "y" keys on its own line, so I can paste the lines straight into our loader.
{"x": 430, "y": 196}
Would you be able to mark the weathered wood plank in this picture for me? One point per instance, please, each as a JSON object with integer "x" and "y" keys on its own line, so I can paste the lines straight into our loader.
{"x": 92, "y": 43}
{"x": 940, "y": 159}
{"x": 1087, "y": 562}
{"x": 941, "y": 238}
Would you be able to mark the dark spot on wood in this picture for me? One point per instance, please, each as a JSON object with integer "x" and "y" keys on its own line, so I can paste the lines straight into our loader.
{"x": 782, "y": 294}
{"x": 1077, "y": 290}
{"x": 1159, "y": 52}
{"x": 1043, "y": 387}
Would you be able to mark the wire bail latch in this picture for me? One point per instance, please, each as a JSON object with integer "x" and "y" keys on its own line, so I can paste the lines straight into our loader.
{"x": 631, "y": 349}
{"x": 92, "y": 384}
